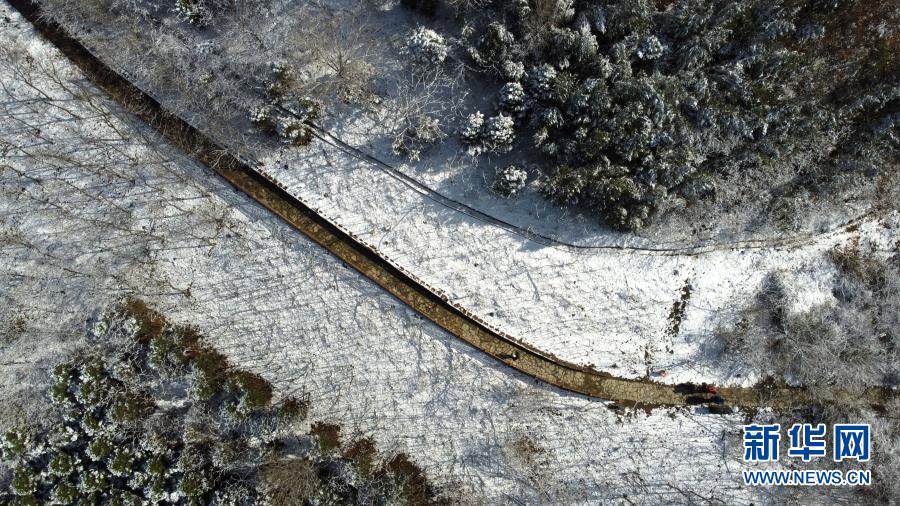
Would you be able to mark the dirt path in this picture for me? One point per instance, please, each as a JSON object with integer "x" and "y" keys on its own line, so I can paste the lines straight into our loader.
{"x": 403, "y": 285}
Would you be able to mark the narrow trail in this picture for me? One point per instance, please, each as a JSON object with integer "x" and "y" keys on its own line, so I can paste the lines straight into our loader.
{"x": 708, "y": 246}
{"x": 427, "y": 301}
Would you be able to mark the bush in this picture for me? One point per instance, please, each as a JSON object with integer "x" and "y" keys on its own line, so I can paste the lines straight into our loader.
{"x": 63, "y": 464}
{"x": 327, "y": 435}
{"x": 424, "y": 46}
{"x": 494, "y": 135}
{"x": 414, "y": 485}
{"x": 291, "y": 122}
{"x": 509, "y": 180}
{"x": 14, "y": 445}
{"x": 512, "y": 98}
{"x": 417, "y": 137}
{"x": 293, "y": 126}
{"x": 255, "y": 392}
{"x": 24, "y": 482}
{"x": 282, "y": 80}
{"x": 64, "y": 492}
{"x": 494, "y": 48}
{"x": 499, "y": 133}
{"x": 99, "y": 449}
{"x": 605, "y": 188}
{"x": 290, "y": 481}
{"x": 512, "y": 70}
{"x": 363, "y": 453}
{"x": 121, "y": 462}
{"x": 471, "y": 132}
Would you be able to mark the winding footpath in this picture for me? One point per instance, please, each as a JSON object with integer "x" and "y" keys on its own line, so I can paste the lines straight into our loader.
{"x": 428, "y": 302}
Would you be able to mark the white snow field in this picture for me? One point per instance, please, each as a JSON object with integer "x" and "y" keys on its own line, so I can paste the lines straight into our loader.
{"x": 94, "y": 206}
{"x": 608, "y": 308}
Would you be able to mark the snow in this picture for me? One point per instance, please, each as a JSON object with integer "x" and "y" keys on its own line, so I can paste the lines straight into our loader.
{"x": 608, "y": 307}
{"x": 101, "y": 208}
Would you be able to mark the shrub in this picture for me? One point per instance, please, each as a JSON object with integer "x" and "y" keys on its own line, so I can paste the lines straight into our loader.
{"x": 471, "y": 131}
{"x": 512, "y": 98}
{"x": 89, "y": 394}
{"x": 294, "y": 125}
{"x": 542, "y": 82}
{"x": 194, "y": 484}
{"x": 499, "y": 132}
{"x": 424, "y": 46}
{"x": 649, "y": 48}
{"x": 494, "y": 135}
{"x": 417, "y": 137}
{"x": 64, "y": 492}
{"x": 414, "y": 485}
{"x": 512, "y": 70}
{"x": 63, "y": 464}
{"x": 605, "y": 188}
{"x": 294, "y": 408}
{"x": 90, "y": 423}
{"x": 364, "y": 455}
{"x": 150, "y": 324}
{"x": 293, "y": 131}
{"x": 290, "y": 121}
{"x": 290, "y": 481}
{"x": 255, "y": 392}
{"x": 24, "y": 480}
{"x": 281, "y": 81}
{"x": 158, "y": 466}
{"x": 99, "y": 449}
{"x": 14, "y": 444}
{"x": 130, "y": 407}
{"x": 509, "y": 180}
{"x": 60, "y": 392}
{"x": 121, "y": 462}
{"x": 495, "y": 47}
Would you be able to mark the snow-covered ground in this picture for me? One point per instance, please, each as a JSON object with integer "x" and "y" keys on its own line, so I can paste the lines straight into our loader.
{"x": 608, "y": 308}
{"x": 94, "y": 206}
